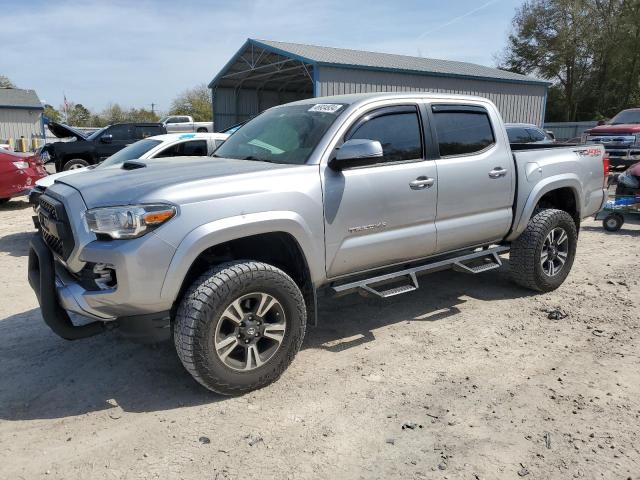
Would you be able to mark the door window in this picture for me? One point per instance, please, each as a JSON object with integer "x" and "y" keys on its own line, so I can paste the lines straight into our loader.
{"x": 144, "y": 131}
{"x": 194, "y": 147}
{"x": 119, "y": 132}
{"x": 397, "y": 131}
{"x": 462, "y": 130}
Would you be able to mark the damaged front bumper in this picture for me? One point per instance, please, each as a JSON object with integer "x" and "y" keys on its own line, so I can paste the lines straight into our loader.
{"x": 59, "y": 294}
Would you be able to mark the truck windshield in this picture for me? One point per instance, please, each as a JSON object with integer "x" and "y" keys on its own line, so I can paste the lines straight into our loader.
{"x": 626, "y": 116}
{"x": 286, "y": 134}
{"x": 131, "y": 152}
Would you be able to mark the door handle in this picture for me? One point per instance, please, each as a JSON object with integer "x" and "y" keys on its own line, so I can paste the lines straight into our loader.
{"x": 421, "y": 182}
{"x": 498, "y": 172}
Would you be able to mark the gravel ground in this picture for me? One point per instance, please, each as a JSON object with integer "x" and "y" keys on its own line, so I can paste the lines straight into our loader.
{"x": 466, "y": 378}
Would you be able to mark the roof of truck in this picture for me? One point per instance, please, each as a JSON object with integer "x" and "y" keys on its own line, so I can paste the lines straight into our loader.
{"x": 352, "y": 98}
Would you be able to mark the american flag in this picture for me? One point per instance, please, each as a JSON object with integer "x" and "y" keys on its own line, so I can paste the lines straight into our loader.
{"x": 66, "y": 108}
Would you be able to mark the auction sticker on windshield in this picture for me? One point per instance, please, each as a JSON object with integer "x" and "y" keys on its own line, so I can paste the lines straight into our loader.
{"x": 326, "y": 107}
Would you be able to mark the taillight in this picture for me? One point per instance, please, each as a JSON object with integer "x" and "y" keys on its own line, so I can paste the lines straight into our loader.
{"x": 605, "y": 168}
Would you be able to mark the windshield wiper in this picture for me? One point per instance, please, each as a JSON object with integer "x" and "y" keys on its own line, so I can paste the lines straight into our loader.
{"x": 251, "y": 157}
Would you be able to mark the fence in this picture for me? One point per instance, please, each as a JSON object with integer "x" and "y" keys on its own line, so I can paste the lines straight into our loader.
{"x": 568, "y": 130}
{"x": 33, "y": 142}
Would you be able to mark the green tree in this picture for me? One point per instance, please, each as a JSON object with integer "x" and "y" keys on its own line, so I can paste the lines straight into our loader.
{"x": 141, "y": 115}
{"x": 195, "y": 102}
{"x": 51, "y": 113}
{"x": 589, "y": 49}
{"x": 79, "y": 116}
{"x": 5, "y": 82}
{"x": 113, "y": 113}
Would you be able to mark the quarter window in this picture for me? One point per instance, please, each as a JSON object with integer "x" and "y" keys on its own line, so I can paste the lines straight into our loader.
{"x": 398, "y": 133}
{"x": 462, "y": 130}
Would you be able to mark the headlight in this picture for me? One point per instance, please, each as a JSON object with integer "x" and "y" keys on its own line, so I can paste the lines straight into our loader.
{"x": 21, "y": 165}
{"x": 128, "y": 221}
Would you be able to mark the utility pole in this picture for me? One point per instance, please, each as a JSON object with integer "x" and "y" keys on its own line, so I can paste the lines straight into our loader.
{"x": 153, "y": 106}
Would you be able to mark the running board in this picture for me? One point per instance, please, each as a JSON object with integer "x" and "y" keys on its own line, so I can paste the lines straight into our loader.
{"x": 489, "y": 255}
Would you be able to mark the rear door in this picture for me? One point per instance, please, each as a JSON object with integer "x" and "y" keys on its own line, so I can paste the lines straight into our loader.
{"x": 377, "y": 214}
{"x": 476, "y": 181}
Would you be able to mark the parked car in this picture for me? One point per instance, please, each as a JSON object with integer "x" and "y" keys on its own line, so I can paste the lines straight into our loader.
{"x": 527, "y": 133}
{"x": 18, "y": 172}
{"x": 159, "y": 146}
{"x": 339, "y": 194}
{"x": 620, "y": 137}
{"x": 85, "y": 150}
{"x": 185, "y": 123}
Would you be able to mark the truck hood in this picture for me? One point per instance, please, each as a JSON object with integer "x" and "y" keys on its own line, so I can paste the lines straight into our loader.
{"x": 118, "y": 186}
{"x": 65, "y": 131}
{"x": 615, "y": 129}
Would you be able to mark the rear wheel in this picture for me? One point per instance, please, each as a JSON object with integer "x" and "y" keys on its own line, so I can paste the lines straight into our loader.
{"x": 75, "y": 164}
{"x": 201, "y": 130}
{"x": 239, "y": 326}
{"x": 613, "y": 222}
{"x": 542, "y": 256}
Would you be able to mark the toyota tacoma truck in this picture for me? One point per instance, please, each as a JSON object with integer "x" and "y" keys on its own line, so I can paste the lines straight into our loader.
{"x": 333, "y": 195}
{"x": 620, "y": 137}
{"x": 185, "y": 123}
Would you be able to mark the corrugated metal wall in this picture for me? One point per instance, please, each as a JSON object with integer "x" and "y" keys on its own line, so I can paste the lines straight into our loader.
{"x": 516, "y": 101}
{"x": 19, "y": 122}
{"x": 229, "y": 108}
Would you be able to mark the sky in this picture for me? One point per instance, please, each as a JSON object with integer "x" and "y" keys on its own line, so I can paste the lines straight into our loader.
{"x": 140, "y": 52}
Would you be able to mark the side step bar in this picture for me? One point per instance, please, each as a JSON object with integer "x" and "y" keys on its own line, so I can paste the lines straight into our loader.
{"x": 488, "y": 257}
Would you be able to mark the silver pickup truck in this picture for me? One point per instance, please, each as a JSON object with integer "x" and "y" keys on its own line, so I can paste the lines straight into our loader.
{"x": 340, "y": 194}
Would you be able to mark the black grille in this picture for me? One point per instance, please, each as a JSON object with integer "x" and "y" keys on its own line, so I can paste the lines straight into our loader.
{"x": 54, "y": 226}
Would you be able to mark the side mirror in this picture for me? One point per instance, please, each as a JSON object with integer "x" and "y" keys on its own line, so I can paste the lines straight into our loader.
{"x": 108, "y": 138}
{"x": 357, "y": 153}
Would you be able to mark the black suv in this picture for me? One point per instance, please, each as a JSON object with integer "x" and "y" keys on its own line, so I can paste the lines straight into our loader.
{"x": 89, "y": 149}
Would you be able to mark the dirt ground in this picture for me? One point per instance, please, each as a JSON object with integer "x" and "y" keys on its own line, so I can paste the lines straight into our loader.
{"x": 485, "y": 384}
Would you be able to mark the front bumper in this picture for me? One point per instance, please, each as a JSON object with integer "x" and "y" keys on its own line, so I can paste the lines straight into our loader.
{"x": 58, "y": 294}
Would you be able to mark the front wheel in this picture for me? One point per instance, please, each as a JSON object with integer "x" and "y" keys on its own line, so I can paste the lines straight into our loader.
{"x": 239, "y": 326}
{"x": 541, "y": 258}
{"x": 75, "y": 164}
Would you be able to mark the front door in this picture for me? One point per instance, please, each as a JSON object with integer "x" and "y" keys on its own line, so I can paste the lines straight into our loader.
{"x": 384, "y": 213}
{"x": 476, "y": 181}
{"x": 120, "y": 136}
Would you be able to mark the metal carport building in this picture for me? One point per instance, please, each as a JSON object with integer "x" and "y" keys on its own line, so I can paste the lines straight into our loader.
{"x": 265, "y": 73}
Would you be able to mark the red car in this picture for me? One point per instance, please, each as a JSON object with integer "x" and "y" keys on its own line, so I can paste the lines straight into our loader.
{"x": 18, "y": 172}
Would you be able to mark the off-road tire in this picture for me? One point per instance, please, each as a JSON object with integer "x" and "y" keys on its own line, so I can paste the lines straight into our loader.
{"x": 75, "y": 163}
{"x": 201, "y": 308}
{"x": 613, "y": 222}
{"x": 524, "y": 258}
